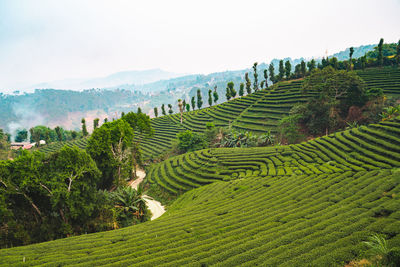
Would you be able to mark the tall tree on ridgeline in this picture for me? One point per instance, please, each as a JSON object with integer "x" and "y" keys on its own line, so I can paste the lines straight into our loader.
{"x": 193, "y": 102}
{"x": 228, "y": 93}
{"x": 380, "y": 53}
{"x": 241, "y": 89}
{"x": 271, "y": 70}
{"x": 163, "y": 110}
{"x": 139, "y": 110}
{"x": 262, "y": 84}
{"x": 187, "y": 107}
{"x": 84, "y": 129}
{"x": 288, "y": 69}
{"x": 232, "y": 90}
{"x": 351, "y": 58}
{"x": 156, "y": 112}
{"x": 303, "y": 68}
{"x": 95, "y": 123}
{"x": 58, "y": 132}
{"x": 281, "y": 73}
{"x": 210, "y": 100}
{"x": 311, "y": 65}
{"x": 215, "y": 94}
{"x": 255, "y": 83}
{"x": 266, "y": 78}
{"x": 170, "y": 111}
{"x": 248, "y": 83}
{"x": 184, "y": 104}
{"x": 363, "y": 62}
{"x": 199, "y": 99}
{"x": 398, "y": 53}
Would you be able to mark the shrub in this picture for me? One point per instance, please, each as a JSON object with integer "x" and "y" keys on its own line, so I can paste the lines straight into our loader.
{"x": 189, "y": 141}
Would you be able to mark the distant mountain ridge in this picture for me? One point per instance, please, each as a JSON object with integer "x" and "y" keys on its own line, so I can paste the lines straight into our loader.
{"x": 137, "y": 77}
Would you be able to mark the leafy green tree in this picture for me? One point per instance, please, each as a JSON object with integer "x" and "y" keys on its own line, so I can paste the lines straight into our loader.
{"x": 184, "y": 104}
{"x": 271, "y": 70}
{"x": 110, "y": 147}
{"x": 22, "y": 135}
{"x": 84, "y": 129}
{"x": 351, "y": 58}
{"x": 248, "y": 83}
{"x": 187, "y": 107}
{"x": 215, "y": 94}
{"x": 266, "y": 78}
{"x": 139, "y": 110}
{"x": 311, "y": 65}
{"x": 398, "y": 53}
{"x": 281, "y": 70}
{"x": 74, "y": 134}
{"x": 228, "y": 93}
{"x": 336, "y": 91}
{"x": 262, "y": 84}
{"x": 303, "y": 69}
{"x": 190, "y": 141}
{"x": 170, "y": 111}
{"x": 241, "y": 89}
{"x": 163, "y": 109}
{"x": 156, "y": 112}
{"x": 96, "y": 123}
{"x": 199, "y": 99}
{"x": 380, "y": 54}
{"x": 105, "y": 120}
{"x": 363, "y": 62}
{"x": 333, "y": 62}
{"x": 288, "y": 69}
{"x": 59, "y": 134}
{"x": 210, "y": 98}
{"x": 193, "y": 102}
{"x": 231, "y": 89}
{"x": 255, "y": 83}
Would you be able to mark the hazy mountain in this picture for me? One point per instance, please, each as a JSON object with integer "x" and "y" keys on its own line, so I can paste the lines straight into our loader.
{"x": 137, "y": 77}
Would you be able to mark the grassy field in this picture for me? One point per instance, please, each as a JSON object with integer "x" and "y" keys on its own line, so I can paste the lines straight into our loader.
{"x": 310, "y": 204}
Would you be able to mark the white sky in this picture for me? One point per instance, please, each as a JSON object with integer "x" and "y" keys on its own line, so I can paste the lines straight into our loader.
{"x": 47, "y": 40}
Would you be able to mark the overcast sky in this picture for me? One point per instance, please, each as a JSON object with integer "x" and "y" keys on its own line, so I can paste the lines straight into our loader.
{"x": 47, "y": 40}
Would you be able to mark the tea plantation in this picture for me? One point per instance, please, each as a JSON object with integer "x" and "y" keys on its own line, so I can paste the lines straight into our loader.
{"x": 257, "y": 112}
{"x": 310, "y": 204}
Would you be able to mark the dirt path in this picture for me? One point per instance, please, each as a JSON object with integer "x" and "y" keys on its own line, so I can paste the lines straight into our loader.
{"x": 154, "y": 206}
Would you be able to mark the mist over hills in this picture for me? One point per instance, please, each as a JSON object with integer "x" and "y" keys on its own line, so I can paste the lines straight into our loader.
{"x": 136, "y": 77}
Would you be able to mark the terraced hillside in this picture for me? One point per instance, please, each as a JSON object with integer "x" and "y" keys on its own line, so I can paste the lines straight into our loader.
{"x": 81, "y": 143}
{"x": 257, "y": 112}
{"x": 361, "y": 149}
{"x": 310, "y": 204}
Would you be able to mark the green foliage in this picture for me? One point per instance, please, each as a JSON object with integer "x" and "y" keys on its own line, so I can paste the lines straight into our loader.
{"x": 190, "y": 141}
{"x": 383, "y": 254}
{"x": 289, "y": 128}
{"x": 215, "y": 94}
{"x": 22, "y": 135}
{"x": 49, "y": 197}
{"x": 241, "y": 89}
{"x": 210, "y": 100}
{"x": 288, "y": 69}
{"x": 230, "y": 90}
{"x": 266, "y": 78}
{"x": 193, "y": 103}
{"x": 170, "y": 111}
{"x": 96, "y": 122}
{"x": 199, "y": 99}
{"x": 281, "y": 70}
{"x": 187, "y": 107}
{"x": 255, "y": 74}
{"x": 84, "y": 129}
{"x": 271, "y": 70}
{"x": 248, "y": 83}
{"x": 163, "y": 110}
{"x": 156, "y": 112}
{"x": 130, "y": 206}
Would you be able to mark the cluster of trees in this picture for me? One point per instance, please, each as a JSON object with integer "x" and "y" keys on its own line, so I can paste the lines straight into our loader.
{"x": 341, "y": 99}
{"x": 41, "y": 132}
{"x": 44, "y": 197}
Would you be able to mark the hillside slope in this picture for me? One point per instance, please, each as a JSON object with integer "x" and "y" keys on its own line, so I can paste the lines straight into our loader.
{"x": 310, "y": 204}
{"x": 257, "y": 112}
